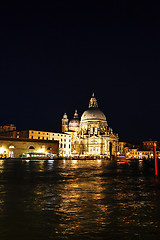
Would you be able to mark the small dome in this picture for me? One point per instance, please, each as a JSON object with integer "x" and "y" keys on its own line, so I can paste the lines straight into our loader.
{"x": 93, "y": 114}
{"x": 74, "y": 123}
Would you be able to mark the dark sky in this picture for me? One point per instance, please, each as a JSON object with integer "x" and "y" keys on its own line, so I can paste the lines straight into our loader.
{"x": 52, "y": 57}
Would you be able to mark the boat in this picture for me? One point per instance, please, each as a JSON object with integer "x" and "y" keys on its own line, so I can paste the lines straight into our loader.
{"x": 39, "y": 156}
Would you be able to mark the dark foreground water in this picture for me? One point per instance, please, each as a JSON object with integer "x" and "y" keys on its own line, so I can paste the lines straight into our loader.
{"x": 78, "y": 200}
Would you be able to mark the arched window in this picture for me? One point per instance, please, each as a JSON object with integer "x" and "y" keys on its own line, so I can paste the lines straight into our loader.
{"x": 31, "y": 147}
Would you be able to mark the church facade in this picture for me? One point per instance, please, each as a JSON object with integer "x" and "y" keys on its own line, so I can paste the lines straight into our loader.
{"x": 91, "y": 135}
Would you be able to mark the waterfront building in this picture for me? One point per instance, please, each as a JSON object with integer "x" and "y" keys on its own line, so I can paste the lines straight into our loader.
{"x": 135, "y": 153}
{"x": 19, "y": 147}
{"x": 7, "y": 128}
{"x": 91, "y": 136}
{"x": 149, "y": 144}
{"x": 64, "y": 139}
{"x": 122, "y": 148}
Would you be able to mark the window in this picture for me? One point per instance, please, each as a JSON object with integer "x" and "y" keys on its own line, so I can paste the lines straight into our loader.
{"x": 47, "y": 133}
{"x": 38, "y": 137}
{"x": 52, "y": 138}
{"x": 64, "y": 145}
{"x": 31, "y": 147}
{"x": 69, "y": 146}
{"x": 61, "y": 145}
{"x": 47, "y": 138}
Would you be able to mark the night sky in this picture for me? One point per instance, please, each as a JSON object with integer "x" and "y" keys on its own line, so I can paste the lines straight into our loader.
{"x": 52, "y": 57}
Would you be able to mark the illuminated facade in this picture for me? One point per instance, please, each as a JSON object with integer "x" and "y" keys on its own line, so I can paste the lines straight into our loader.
{"x": 91, "y": 136}
{"x": 63, "y": 138}
{"x": 122, "y": 148}
{"x": 140, "y": 154}
{"x": 16, "y": 147}
{"x": 149, "y": 144}
{"x": 7, "y": 128}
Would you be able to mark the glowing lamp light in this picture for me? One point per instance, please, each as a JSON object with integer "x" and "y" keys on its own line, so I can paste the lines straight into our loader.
{"x": 41, "y": 150}
{"x": 1, "y": 150}
{"x": 11, "y": 147}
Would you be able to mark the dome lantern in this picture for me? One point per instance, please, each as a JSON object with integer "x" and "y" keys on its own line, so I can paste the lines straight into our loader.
{"x": 93, "y": 102}
{"x": 93, "y": 112}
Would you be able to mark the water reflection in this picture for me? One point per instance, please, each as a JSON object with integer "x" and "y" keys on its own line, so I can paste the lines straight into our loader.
{"x": 1, "y": 165}
{"x": 72, "y": 199}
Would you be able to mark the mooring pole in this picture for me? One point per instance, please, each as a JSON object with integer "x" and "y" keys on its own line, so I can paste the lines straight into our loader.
{"x": 155, "y": 159}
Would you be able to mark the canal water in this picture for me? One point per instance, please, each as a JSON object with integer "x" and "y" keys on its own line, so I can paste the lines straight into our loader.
{"x": 78, "y": 199}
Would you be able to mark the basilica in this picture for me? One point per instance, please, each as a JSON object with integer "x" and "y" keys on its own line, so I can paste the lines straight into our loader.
{"x": 90, "y": 136}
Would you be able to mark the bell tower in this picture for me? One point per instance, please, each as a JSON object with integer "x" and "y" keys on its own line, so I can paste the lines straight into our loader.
{"x": 65, "y": 123}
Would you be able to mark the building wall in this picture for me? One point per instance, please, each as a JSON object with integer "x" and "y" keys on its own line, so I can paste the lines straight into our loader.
{"x": 18, "y": 147}
{"x": 149, "y": 144}
{"x": 12, "y": 134}
{"x": 64, "y": 139}
{"x": 94, "y": 146}
{"x": 121, "y": 148}
{"x": 139, "y": 154}
{"x": 10, "y": 127}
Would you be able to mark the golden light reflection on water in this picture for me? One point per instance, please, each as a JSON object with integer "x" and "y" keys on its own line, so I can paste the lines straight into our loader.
{"x": 76, "y": 200}
{"x": 1, "y": 165}
{"x": 72, "y": 198}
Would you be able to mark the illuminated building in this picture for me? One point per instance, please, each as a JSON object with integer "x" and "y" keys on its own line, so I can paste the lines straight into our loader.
{"x": 135, "y": 153}
{"x": 63, "y": 138}
{"x": 123, "y": 148}
{"x": 7, "y": 128}
{"x": 91, "y": 136}
{"x": 16, "y": 147}
{"x": 149, "y": 144}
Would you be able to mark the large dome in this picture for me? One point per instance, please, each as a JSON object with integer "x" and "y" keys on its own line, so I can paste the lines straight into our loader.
{"x": 93, "y": 113}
